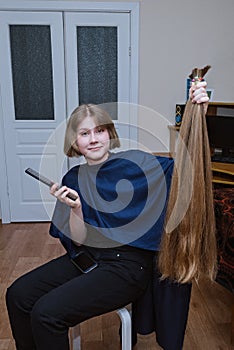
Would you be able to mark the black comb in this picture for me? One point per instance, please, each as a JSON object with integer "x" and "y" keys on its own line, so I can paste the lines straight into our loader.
{"x": 45, "y": 180}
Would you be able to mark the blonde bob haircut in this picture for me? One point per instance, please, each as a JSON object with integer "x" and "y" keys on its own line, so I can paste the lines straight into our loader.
{"x": 101, "y": 117}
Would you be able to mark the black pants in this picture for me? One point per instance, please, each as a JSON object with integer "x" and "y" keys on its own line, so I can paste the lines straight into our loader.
{"x": 45, "y": 302}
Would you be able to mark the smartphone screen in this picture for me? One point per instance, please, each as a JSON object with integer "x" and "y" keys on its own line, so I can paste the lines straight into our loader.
{"x": 84, "y": 262}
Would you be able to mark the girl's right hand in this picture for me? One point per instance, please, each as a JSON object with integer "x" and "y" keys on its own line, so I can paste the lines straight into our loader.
{"x": 61, "y": 194}
{"x": 198, "y": 93}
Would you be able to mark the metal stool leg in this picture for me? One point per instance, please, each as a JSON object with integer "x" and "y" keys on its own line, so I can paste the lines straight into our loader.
{"x": 75, "y": 338}
{"x": 126, "y": 327}
{"x": 126, "y": 321}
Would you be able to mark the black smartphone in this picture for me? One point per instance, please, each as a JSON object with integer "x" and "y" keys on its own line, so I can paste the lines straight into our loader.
{"x": 84, "y": 262}
{"x": 45, "y": 180}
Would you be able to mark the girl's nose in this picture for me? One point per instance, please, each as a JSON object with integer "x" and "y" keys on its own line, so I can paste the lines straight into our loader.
{"x": 93, "y": 136}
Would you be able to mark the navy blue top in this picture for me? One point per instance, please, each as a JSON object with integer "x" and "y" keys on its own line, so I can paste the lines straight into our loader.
{"x": 123, "y": 201}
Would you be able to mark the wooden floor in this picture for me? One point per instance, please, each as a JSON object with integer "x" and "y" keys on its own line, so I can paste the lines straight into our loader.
{"x": 25, "y": 246}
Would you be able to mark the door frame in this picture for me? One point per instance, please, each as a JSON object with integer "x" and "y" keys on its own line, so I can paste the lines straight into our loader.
{"x": 82, "y": 6}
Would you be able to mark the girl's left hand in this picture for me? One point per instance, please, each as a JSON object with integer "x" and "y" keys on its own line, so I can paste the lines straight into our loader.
{"x": 61, "y": 193}
{"x": 198, "y": 93}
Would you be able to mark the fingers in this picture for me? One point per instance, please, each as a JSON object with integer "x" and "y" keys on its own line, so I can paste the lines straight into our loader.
{"x": 61, "y": 193}
{"x": 199, "y": 84}
{"x": 54, "y": 188}
{"x": 198, "y": 92}
{"x": 200, "y": 96}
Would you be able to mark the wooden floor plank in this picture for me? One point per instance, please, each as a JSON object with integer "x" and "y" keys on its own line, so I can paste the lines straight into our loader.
{"x": 24, "y": 246}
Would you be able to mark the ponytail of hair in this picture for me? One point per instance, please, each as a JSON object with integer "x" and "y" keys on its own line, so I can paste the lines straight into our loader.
{"x": 188, "y": 246}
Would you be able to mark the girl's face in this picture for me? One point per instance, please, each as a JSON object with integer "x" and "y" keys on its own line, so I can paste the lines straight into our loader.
{"x": 93, "y": 141}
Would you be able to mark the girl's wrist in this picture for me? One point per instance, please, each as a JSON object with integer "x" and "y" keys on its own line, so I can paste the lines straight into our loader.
{"x": 76, "y": 208}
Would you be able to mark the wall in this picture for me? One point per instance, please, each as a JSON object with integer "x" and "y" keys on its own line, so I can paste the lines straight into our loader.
{"x": 176, "y": 36}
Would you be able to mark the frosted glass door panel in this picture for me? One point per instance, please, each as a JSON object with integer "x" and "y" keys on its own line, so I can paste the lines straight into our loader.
{"x": 32, "y": 72}
{"x": 97, "y": 51}
{"x": 97, "y": 64}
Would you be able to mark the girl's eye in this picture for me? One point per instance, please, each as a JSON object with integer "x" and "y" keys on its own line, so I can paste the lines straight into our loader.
{"x": 100, "y": 130}
{"x": 84, "y": 133}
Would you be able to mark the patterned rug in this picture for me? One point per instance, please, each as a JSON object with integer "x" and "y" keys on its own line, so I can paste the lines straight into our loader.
{"x": 224, "y": 213}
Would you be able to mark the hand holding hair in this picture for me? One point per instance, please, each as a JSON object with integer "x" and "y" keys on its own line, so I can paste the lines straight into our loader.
{"x": 198, "y": 92}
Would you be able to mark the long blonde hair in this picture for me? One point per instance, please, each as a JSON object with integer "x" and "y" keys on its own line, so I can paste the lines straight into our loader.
{"x": 189, "y": 249}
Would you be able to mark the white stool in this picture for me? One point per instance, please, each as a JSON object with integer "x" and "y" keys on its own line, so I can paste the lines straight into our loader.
{"x": 126, "y": 328}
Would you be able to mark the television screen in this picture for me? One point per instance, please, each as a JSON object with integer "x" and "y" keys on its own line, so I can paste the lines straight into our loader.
{"x": 221, "y": 137}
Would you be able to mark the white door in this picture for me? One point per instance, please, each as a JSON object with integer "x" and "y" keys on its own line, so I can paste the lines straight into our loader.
{"x": 97, "y": 53}
{"x": 33, "y": 106}
{"x": 40, "y": 86}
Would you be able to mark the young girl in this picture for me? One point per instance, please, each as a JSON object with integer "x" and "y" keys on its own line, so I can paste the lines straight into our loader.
{"x": 111, "y": 209}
